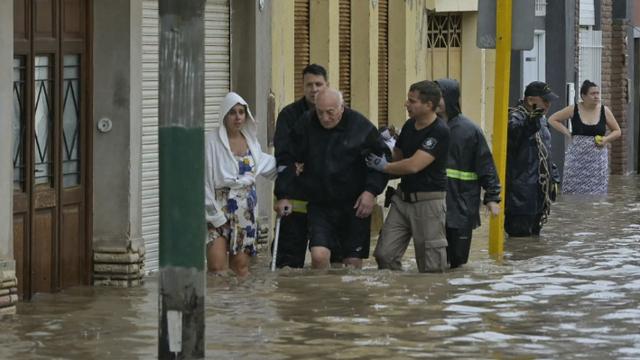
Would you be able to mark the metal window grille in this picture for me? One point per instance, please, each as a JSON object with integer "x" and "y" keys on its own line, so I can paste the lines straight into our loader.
{"x": 590, "y": 55}
{"x": 445, "y": 31}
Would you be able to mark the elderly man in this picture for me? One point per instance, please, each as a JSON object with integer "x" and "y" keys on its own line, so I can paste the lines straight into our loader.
{"x": 333, "y": 144}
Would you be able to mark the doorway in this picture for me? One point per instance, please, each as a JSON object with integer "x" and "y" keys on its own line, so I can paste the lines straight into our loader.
{"x": 533, "y": 61}
{"x": 52, "y": 152}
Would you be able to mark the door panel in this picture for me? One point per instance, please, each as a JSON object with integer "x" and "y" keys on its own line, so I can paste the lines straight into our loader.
{"x": 45, "y": 19}
{"x": 42, "y": 251}
{"x": 73, "y": 19}
{"x": 71, "y": 247}
{"x": 20, "y": 25}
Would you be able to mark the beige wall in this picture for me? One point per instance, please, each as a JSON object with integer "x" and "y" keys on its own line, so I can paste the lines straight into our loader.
{"x": 364, "y": 58}
{"x": 6, "y": 145}
{"x": 407, "y": 51}
{"x": 324, "y": 24}
{"x": 282, "y": 76}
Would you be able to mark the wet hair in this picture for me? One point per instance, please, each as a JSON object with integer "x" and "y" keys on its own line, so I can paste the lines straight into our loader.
{"x": 428, "y": 91}
{"x": 315, "y": 69}
{"x": 586, "y": 85}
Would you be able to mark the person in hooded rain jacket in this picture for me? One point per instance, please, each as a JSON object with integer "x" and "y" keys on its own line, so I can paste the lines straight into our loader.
{"x": 532, "y": 177}
{"x": 233, "y": 161}
{"x": 469, "y": 167}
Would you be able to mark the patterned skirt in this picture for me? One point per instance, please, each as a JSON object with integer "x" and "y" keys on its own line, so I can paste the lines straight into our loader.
{"x": 239, "y": 208}
{"x": 586, "y": 167}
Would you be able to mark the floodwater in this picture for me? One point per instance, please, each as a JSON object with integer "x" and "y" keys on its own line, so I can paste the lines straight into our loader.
{"x": 574, "y": 292}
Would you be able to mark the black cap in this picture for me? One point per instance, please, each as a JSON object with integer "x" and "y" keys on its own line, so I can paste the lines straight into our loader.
{"x": 539, "y": 88}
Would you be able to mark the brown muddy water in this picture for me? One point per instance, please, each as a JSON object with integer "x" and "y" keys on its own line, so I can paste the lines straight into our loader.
{"x": 572, "y": 293}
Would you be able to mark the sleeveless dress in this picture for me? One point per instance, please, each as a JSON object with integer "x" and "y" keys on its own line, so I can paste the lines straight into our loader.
{"x": 586, "y": 167}
{"x": 239, "y": 206}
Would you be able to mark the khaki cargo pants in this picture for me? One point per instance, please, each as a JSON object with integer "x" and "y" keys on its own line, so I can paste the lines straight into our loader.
{"x": 422, "y": 220}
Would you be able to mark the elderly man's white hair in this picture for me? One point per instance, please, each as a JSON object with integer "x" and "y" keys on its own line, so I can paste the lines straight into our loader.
{"x": 334, "y": 92}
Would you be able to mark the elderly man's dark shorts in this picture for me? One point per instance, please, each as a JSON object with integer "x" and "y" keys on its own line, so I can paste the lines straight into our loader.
{"x": 338, "y": 229}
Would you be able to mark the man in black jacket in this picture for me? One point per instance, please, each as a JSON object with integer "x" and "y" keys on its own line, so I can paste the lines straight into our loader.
{"x": 469, "y": 167}
{"x": 531, "y": 175}
{"x": 292, "y": 245}
{"x": 341, "y": 190}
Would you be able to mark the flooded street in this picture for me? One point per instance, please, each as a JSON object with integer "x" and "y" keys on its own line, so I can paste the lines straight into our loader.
{"x": 574, "y": 292}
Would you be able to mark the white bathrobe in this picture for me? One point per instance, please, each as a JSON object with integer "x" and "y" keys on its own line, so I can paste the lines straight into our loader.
{"x": 221, "y": 167}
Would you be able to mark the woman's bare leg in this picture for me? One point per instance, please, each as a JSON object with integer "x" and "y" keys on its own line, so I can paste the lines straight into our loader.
{"x": 217, "y": 255}
{"x": 239, "y": 263}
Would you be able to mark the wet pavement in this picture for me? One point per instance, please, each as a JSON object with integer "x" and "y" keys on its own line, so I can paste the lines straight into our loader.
{"x": 572, "y": 293}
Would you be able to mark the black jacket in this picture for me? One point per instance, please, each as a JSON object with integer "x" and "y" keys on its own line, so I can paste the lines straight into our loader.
{"x": 334, "y": 160}
{"x": 524, "y": 195}
{"x": 283, "y": 142}
{"x": 469, "y": 166}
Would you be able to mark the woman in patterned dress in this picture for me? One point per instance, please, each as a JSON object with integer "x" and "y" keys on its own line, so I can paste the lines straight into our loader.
{"x": 233, "y": 161}
{"x": 586, "y": 166}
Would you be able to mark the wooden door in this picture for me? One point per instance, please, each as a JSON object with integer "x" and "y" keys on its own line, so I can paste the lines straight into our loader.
{"x": 51, "y": 147}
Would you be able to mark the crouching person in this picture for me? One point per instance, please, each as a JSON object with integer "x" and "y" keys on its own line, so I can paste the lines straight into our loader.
{"x": 418, "y": 206}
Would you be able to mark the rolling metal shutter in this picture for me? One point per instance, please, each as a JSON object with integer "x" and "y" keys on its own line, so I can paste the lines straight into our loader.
{"x": 344, "y": 32}
{"x": 216, "y": 51}
{"x": 383, "y": 62}
{"x": 301, "y": 38}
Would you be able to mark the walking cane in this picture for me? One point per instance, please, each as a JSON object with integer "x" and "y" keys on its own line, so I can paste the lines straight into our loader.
{"x": 275, "y": 244}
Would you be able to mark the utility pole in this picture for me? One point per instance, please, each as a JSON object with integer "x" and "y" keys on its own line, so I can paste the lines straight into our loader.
{"x": 500, "y": 123}
{"x": 182, "y": 220}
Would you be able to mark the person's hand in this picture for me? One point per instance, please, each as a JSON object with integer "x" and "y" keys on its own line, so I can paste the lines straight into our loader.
{"x": 600, "y": 141}
{"x": 364, "y": 205}
{"x": 376, "y": 162}
{"x": 493, "y": 207}
{"x": 299, "y": 168}
{"x": 283, "y": 207}
{"x": 536, "y": 113}
{"x": 553, "y": 192}
{"x": 221, "y": 229}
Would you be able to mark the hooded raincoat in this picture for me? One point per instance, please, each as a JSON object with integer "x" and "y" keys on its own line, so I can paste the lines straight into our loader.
{"x": 470, "y": 164}
{"x": 222, "y": 170}
{"x": 524, "y": 194}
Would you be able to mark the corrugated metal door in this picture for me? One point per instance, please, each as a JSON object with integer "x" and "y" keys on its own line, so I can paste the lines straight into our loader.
{"x": 216, "y": 49}
{"x": 301, "y": 38}
{"x": 383, "y": 62}
{"x": 344, "y": 44}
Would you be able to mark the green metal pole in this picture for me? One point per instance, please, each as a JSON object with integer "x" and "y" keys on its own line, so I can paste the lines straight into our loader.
{"x": 501, "y": 113}
{"x": 182, "y": 221}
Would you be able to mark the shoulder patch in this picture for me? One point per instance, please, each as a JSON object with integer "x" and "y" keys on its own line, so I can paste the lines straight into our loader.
{"x": 429, "y": 143}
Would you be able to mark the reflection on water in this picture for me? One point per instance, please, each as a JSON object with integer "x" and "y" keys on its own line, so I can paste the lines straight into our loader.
{"x": 574, "y": 292}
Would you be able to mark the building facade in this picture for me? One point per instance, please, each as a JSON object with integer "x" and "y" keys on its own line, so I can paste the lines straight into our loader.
{"x": 79, "y": 193}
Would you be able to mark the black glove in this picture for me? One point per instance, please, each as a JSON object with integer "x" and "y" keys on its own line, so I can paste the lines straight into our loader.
{"x": 535, "y": 114}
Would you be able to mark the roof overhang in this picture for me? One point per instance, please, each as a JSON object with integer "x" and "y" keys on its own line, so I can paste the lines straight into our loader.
{"x": 452, "y": 5}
